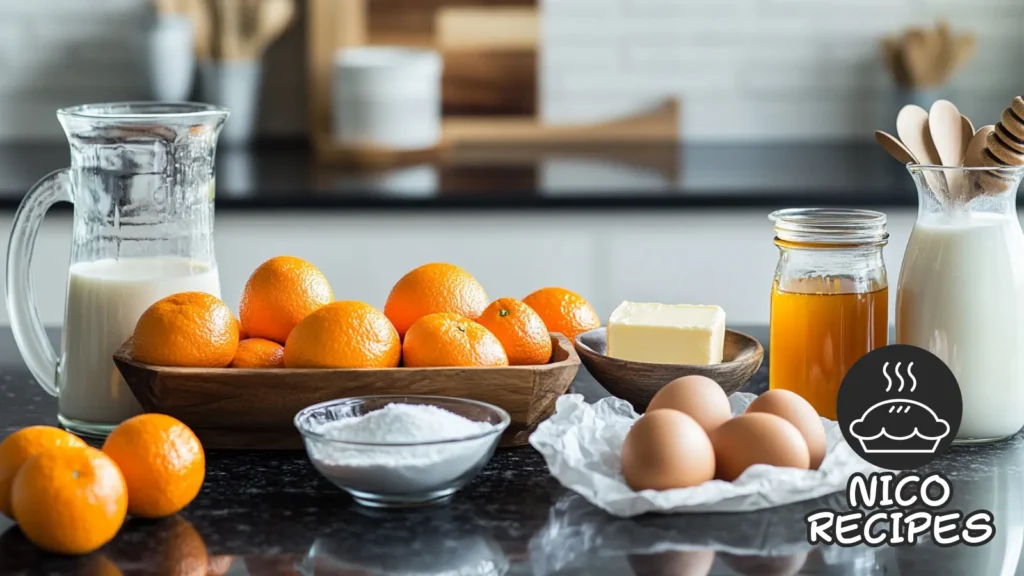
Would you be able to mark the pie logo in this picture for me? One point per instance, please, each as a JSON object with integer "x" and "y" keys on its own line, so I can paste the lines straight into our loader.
{"x": 899, "y": 407}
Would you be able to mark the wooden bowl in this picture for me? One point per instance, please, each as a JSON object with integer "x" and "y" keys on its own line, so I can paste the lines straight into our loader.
{"x": 234, "y": 408}
{"x": 637, "y": 382}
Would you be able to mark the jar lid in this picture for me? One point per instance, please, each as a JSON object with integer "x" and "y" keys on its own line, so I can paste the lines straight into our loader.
{"x": 829, "y": 225}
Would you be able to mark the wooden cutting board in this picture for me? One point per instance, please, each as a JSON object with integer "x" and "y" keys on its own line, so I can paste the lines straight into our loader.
{"x": 489, "y": 49}
{"x": 416, "y": 18}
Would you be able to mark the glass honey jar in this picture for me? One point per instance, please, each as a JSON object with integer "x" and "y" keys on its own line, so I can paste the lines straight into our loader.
{"x": 830, "y": 299}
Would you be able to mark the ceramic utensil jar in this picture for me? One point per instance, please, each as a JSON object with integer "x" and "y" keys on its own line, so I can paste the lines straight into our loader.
{"x": 961, "y": 291}
{"x": 142, "y": 184}
{"x": 830, "y": 299}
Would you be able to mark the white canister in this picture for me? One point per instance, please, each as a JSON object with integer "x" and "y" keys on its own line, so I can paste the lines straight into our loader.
{"x": 172, "y": 64}
{"x": 387, "y": 97}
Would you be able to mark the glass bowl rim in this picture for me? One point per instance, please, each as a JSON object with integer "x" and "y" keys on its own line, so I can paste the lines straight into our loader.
{"x": 310, "y": 434}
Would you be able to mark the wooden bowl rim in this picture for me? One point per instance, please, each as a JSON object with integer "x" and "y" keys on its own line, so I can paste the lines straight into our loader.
{"x": 123, "y": 354}
{"x": 756, "y": 356}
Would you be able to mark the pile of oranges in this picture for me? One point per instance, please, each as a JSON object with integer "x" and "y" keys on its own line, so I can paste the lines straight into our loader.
{"x": 436, "y": 315}
{"x": 70, "y": 498}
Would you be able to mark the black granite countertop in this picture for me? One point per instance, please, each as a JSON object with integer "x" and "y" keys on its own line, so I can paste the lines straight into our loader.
{"x": 272, "y": 513}
{"x": 285, "y": 176}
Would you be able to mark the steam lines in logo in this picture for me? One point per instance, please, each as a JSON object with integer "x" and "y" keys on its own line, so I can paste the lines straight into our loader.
{"x": 913, "y": 381}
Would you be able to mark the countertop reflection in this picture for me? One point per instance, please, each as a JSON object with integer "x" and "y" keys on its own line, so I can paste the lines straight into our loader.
{"x": 285, "y": 175}
{"x": 271, "y": 513}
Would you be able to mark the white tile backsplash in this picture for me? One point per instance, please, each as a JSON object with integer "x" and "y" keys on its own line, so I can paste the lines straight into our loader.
{"x": 745, "y": 69}
{"x": 762, "y": 69}
{"x": 56, "y": 53}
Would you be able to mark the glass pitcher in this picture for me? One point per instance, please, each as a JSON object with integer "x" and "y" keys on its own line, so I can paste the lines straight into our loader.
{"x": 961, "y": 291}
{"x": 142, "y": 183}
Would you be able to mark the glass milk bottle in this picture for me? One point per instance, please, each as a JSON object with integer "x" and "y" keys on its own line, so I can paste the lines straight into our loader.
{"x": 142, "y": 183}
{"x": 961, "y": 291}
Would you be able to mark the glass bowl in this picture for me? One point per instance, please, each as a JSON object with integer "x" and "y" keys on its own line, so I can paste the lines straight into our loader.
{"x": 385, "y": 475}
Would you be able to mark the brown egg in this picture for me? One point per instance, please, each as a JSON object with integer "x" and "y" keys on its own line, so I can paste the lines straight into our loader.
{"x": 666, "y": 449}
{"x": 698, "y": 396}
{"x": 757, "y": 438}
{"x": 798, "y": 412}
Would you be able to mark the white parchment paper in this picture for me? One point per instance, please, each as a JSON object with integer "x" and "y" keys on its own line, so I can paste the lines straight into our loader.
{"x": 582, "y": 442}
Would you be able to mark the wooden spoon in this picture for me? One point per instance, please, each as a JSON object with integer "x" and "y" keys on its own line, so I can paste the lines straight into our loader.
{"x": 968, "y": 129}
{"x": 912, "y": 128}
{"x": 199, "y": 13}
{"x": 894, "y": 147}
{"x": 916, "y": 58}
{"x": 976, "y": 147}
{"x": 272, "y": 19}
{"x": 945, "y": 123}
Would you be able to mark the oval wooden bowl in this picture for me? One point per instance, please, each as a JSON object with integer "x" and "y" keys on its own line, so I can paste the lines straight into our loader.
{"x": 637, "y": 382}
{"x": 232, "y": 408}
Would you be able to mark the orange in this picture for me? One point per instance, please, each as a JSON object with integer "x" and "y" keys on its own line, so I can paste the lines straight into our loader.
{"x": 192, "y": 329}
{"x": 434, "y": 288}
{"x": 445, "y": 339}
{"x": 22, "y": 445}
{"x": 563, "y": 311}
{"x": 520, "y": 330}
{"x": 258, "y": 353}
{"x": 279, "y": 294}
{"x": 344, "y": 334}
{"x": 162, "y": 461}
{"x": 69, "y": 499}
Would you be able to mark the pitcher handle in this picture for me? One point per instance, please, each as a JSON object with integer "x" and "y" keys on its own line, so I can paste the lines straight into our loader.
{"x": 28, "y": 330}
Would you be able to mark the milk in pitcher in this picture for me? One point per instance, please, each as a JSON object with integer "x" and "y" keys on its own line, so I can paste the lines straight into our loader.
{"x": 961, "y": 296}
{"x": 105, "y": 300}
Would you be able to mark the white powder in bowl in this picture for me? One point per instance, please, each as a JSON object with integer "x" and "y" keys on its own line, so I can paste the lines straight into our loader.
{"x": 396, "y": 470}
{"x": 404, "y": 423}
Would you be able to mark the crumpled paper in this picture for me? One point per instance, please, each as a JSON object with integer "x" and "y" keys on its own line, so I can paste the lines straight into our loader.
{"x": 581, "y": 444}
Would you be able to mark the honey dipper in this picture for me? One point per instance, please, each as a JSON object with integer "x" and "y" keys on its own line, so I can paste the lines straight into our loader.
{"x": 1004, "y": 147}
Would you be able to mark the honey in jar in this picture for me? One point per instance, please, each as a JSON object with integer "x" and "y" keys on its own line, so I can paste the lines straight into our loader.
{"x": 830, "y": 300}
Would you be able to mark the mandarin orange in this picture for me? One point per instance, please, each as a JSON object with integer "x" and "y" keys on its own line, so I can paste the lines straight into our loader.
{"x": 279, "y": 294}
{"x": 163, "y": 463}
{"x": 445, "y": 339}
{"x": 563, "y": 311}
{"x": 69, "y": 499}
{"x": 344, "y": 334}
{"x": 19, "y": 447}
{"x": 192, "y": 329}
{"x": 432, "y": 288}
{"x": 258, "y": 353}
{"x": 520, "y": 330}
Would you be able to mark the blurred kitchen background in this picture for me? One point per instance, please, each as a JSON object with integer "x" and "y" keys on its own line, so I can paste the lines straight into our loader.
{"x": 626, "y": 149}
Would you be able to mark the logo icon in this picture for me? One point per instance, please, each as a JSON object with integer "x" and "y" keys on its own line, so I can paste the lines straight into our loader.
{"x": 899, "y": 407}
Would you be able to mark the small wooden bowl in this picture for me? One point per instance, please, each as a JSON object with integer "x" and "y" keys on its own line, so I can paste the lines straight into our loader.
{"x": 234, "y": 408}
{"x": 637, "y": 382}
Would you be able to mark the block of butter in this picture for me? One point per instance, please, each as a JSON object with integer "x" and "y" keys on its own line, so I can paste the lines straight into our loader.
{"x": 667, "y": 333}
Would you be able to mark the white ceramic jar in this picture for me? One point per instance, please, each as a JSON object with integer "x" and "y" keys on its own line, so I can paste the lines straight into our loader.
{"x": 387, "y": 97}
